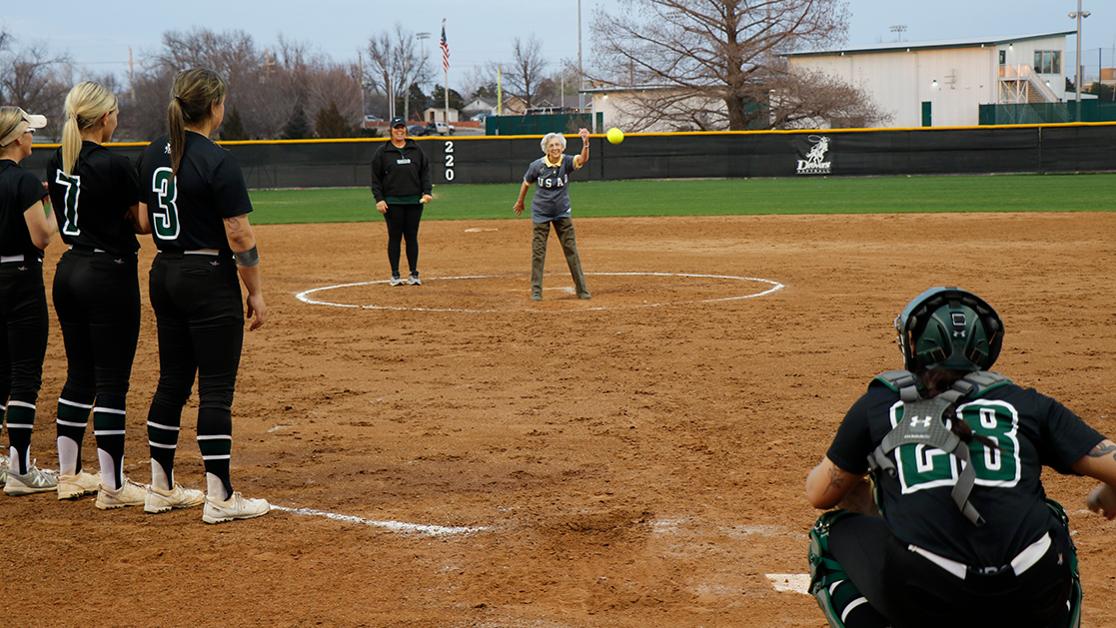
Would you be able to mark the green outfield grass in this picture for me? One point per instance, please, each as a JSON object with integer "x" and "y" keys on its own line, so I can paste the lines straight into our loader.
{"x": 718, "y": 197}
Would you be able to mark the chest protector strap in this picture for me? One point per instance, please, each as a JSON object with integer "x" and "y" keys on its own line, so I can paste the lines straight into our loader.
{"x": 924, "y": 423}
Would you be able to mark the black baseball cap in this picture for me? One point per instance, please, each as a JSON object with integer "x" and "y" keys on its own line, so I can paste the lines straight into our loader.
{"x": 398, "y": 121}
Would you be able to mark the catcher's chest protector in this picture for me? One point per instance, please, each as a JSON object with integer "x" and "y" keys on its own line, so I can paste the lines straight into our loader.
{"x": 924, "y": 423}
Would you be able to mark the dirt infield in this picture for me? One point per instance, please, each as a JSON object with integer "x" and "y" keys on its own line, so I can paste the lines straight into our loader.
{"x": 633, "y": 460}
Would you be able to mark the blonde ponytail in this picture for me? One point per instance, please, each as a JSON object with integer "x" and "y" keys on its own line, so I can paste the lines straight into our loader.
{"x": 86, "y": 104}
{"x": 193, "y": 96}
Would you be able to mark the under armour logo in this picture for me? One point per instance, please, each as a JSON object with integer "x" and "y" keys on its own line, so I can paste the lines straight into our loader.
{"x": 118, "y": 261}
{"x": 921, "y": 423}
{"x": 215, "y": 263}
{"x": 166, "y": 149}
{"x": 21, "y": 268}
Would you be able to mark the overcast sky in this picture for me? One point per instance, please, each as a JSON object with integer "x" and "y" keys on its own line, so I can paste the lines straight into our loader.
{"x": 99, "y": 35}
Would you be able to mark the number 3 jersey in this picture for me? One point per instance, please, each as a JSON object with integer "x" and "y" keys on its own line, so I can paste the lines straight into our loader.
{"x": 187, "y": 209}
{"x": 1030, "y": 429}
{"x": 92, "y": 203}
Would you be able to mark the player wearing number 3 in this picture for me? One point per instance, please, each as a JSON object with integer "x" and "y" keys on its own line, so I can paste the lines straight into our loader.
{"x": 95, "y": 196}
{"x": 551, "y": 206}
{"x": 196, "y": 200}
{"x": 964, "y": 535}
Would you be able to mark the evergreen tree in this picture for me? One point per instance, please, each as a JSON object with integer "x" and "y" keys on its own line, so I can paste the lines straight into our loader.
{"x": 298, "y": 126}
{"x": 233, "y": 127}
{"x": 330, "y": 123}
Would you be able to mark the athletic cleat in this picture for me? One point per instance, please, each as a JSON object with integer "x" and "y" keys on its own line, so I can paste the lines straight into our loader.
{"x": 131, "y": 494}
{"x": 74, "y": 486}
{"x": 414, "y": 281}
{"x": 36, "y": 480}
{"x": 584, "y": 295}
{"x": 160, "y": 500}
{"x": 536, "y": 296}
{"x": 395, "y": 281}
{"x": 235, "y": 507}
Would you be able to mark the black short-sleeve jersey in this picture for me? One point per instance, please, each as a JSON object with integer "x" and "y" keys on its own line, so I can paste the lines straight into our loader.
{"x": 187, "y": 209}
{"x": 92, "y": 202}
{"x": 1030, "y": 429}
{"x": 19, "y": 190}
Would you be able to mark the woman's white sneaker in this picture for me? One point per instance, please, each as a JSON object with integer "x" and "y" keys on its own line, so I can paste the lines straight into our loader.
{"x": 235, "y": 507}
{"x": 77, "y": 485}
{"x": 36, "y": 480}
{"x": 131, "y": 494}
{"x": 160, "y": 500}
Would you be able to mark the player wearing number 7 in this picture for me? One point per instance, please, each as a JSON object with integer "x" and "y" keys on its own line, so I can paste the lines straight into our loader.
{"x": 965, "y": 535}
{"x": 197, "y": 202}
{"x": 95, "y": 196}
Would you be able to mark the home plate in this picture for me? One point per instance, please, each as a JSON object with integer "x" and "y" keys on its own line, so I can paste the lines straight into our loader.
{"x": 790, "y": 582}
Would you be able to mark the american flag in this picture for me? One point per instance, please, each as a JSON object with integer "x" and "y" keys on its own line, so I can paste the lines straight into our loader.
{"x": 445, "y": 48}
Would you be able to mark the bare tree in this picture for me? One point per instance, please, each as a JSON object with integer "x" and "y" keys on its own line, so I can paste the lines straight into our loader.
{"x": 525, "y": 71}
{"x": 714, "y": 64}
{"x": 395, "y": 64}
{"x": 33, "y": 78}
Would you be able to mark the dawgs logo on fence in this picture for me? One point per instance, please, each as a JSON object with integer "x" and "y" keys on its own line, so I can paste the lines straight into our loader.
{"x": 815, "y": 163}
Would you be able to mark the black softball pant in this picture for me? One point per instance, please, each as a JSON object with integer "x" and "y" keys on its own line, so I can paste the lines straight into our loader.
{"x": 403, "y": 223}
{"x": 23, "y": 341}
{"x": 200, "y": 320}
{"x": 96, "y": 296}
{"x": 912, "y": 591}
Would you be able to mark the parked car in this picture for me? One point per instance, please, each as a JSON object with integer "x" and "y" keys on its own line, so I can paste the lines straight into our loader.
{"x": 441, "y": 128}
{"x": 418, "y": 130}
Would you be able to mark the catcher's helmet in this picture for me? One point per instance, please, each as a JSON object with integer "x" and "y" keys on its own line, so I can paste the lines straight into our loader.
{"x": 949, "y": 328}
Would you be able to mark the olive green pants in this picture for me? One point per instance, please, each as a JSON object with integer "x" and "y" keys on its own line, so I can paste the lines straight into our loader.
{"x": 565, "y": 230}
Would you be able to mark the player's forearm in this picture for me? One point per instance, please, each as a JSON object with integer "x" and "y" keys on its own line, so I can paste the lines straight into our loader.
{"x": 523, "y": 187}
{"x": 250, "y": 275}
{"x": 584, "y": 153}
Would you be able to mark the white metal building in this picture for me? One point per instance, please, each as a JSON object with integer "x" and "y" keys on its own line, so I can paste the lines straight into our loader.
{"x": 943, "y": 83}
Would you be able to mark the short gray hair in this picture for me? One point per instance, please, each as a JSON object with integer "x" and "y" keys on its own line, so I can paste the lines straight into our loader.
{"x": 549, "y": 136}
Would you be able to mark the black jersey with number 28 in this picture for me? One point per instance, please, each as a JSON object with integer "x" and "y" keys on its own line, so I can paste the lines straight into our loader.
{"x": 187, "y": 209}
{"x": 92, "y": 202}
{"x": 1031, "y": 430}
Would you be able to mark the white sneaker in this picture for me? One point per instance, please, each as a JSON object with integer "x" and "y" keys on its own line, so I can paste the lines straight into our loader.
{"x": 131, "y": 494}
{"x": 414, "y": 281}
{"x": 74, "y": 486}
{"x": 161, "y": 500}
{"x": 36, "y": 480}
{"x": 235, "y": 507}
{"x": 395, "y": 281}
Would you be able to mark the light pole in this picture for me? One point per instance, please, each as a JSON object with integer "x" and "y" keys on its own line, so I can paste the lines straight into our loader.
{"x": 422, "y": 37}
{"x": 1078, "y": 15}
{"x": 580, "y": 71}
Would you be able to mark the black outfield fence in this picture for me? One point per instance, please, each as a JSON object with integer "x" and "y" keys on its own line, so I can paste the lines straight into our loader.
{"x": 837, "y": 152}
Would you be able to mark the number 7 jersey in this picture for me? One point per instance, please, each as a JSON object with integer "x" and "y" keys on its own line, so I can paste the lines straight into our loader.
{"x": 92, "y": 202}
{"x": 1030, "y": 430}
{"x": 186, "y": 210}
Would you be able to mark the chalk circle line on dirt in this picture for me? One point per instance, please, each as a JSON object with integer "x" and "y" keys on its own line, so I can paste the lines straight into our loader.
{"x": 769, "y": 286}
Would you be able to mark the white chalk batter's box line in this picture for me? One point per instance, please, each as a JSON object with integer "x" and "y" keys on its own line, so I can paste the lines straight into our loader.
{"x": 773, "y": 286}
{"x": 781, "y": 582}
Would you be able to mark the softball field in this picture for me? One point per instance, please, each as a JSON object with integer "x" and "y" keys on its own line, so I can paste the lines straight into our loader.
{"x": 457, "y": 455}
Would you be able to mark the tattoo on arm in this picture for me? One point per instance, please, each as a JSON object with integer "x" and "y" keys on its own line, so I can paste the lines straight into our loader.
{"x": 836, "y": 478}
{"x": 1103, "y": 448}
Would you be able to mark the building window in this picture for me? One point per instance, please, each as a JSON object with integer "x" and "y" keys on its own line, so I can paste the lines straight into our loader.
{"x": 1003, "y": 57}
{"x": 1048, "y": 61}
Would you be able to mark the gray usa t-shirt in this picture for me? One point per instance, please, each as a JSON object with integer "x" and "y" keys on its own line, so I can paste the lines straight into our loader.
{"x": 552, "y": 198}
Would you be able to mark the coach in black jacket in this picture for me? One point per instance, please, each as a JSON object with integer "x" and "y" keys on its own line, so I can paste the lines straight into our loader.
{"x": 401, "y": 186}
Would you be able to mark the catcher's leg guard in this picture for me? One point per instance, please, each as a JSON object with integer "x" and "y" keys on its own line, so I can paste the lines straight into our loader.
{"x": 835, "y": 593}
{"x": 1076, "y": 592}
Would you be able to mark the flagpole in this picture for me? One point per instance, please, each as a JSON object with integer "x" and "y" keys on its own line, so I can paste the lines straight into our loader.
{"x": 445, "y": 72}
